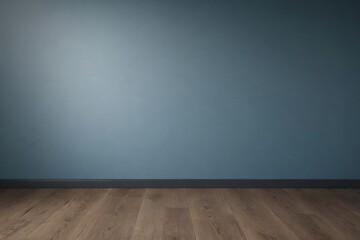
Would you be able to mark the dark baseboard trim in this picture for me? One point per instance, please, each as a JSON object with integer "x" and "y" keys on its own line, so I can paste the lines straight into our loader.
{"x": 180, "y": 183}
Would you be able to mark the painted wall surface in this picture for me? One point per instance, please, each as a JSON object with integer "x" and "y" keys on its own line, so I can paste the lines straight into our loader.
{"x": 180, "y": 89}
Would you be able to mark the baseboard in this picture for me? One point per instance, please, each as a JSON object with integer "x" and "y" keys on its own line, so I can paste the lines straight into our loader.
{"x": 180, "y": 183}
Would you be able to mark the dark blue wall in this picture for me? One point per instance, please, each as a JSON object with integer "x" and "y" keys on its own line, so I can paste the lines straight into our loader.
{"x": 180, "y": 89}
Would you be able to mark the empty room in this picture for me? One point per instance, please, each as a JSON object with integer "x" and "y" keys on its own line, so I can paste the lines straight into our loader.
{"x": 180, "y": 120}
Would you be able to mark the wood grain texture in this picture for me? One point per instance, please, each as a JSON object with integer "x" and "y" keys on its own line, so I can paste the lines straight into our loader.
{"x": 178, "y": 224}
{"x": 255, "y": 218}
{"x": 330, "y": 209}
{"x": 179, "y": 214}
{"x": 212, "y": 217}
{"x": 154, "y": 213}
{"x": 303, "y": 222}
{"x": 69, "y": 221}
{"x": 38, "y": 213}
{"x": 116, "y": 216}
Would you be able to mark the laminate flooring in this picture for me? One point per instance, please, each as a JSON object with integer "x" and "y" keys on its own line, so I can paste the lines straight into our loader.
{"x": 174, "y": 214}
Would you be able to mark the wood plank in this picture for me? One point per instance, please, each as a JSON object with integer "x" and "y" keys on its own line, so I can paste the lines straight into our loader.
{"x": 212, "y": 217}
{"x": 150, "y": 222}
{"x": 178, "y": 224}
{"x": 69, "y": 221}
{"x": 17, "y": 227}
{"x": 116, "y": 216}
{"x": 9, "y": 197}
{"x": 296, "y": 216}
{"x": 348, "y": 198}
{"x": 255, "y": 218}
{"x": 202, "y": 214}
{"x": 19, "y": 207}
{"x": 329, "y": 211}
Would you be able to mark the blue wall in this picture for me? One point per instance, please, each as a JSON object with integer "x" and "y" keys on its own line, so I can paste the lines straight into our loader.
{"x": 180, "y": 89}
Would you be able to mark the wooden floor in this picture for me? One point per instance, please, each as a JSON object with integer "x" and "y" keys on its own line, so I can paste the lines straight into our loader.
{"x": 204, "y": 214}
